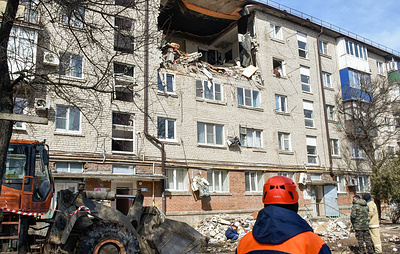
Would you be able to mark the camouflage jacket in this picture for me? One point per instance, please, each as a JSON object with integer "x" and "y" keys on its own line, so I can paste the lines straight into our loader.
{"x": 359, "y": 215}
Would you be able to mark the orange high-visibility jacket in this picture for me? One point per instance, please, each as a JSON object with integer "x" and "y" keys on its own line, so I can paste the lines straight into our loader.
{"x": 279, "y": 230}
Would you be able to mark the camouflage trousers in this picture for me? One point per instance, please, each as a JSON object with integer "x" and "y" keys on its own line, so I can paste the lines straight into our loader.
{"x": 363, "y": 237}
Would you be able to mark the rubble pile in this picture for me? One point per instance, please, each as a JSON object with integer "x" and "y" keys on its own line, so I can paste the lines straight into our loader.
{"x": 332, "y": 230}
{"x": 214, "y": 227}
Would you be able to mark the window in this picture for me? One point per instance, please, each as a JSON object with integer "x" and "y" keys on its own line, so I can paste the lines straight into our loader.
{"x": 71, "y": 65}
{"x": 123, "y": 82}
{"x": 122, "y": 133}
{"x": 21, "y": 47}
{"x": 177, "y": 179}
{"x": 302, "y": 43}
{"x": 389, "y": 124}
{"x": 125, "y": 3}
{"x": 74, "y": 18}
{"x": 330, "y": 111}
{"x": 335, "y": 148}
{"x": 208, "y": 90}
{"x": 123, "y": 170}
{"x": 356, "y": 152}
{"x": 20, "y": 108}
{"x": 284, "y": 141}
{"x": 218, "y": 180}
{"x": 363, "y": 184}
{"x": 323, "y": 47}
{"x": 305, "y": 79}
{"x": 311, "y": 150}
{"x": 287, "y": 174}
{"x": 69, "y": 167}
{"x": 356, "y": 50}
{"x": 253, "y": 181}
{"x": 250, "y": 137}
{"x": 326, "y": 79}
{"x": 341, "y": 183}
{"x": 308, "y": 113}
{"x": 248, "y": 97}
{"x": 275, "y": 31}
{"x": 210, "y": 134}
{"x": 359, "y": 80}
{"x": 68, "y": 119}
{"x": 166, "y": 128}
{"x": 123, "y": 36}
{"x": 211, "y": 56}
{"x": 279, "y": 67}
{"x": 280, "y": 103}
{"x": 380, "y": 67}
{"x": 166, "y": 82}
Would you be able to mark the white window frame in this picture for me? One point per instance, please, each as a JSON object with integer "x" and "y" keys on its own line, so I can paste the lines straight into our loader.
{"x": 77, "y": 18}
{"x": 210, "y": 138}
{"x": 308, "y": 109}
{"x": 335, "y": 147}
{"x": 214, "y": 89}
{"x": 275, "y": 31}
{"x": 163, "y": 84}
{"x": 323, "y": 47}
{"x": 254, "y": 181}
{"x": 356, "y": 151}
{"x": 21, "y": 108}
{"x": 123, "y": 81}
{"x": 167, "y": 126}
{"x": 248, "y": 97}
{"x": 287, "y": 174}
{"x": 303, "y": 51}
{"x": 341, "y": 183}
{"x": 67, "y": 120}
{"x": 68, "y": 164}
{"x": 250, "y": 137}
{"x": 218, "y": 180}
{"x": 177, "y": 179}
{"x": 330, "y": 112}
{"x": 356, "y": 50}
{"x": 326, "y": 78}
{"x": 126, "y": 128}
{"x": 281, "y": 103}
{"x": 70, "y": 70}
{"x": 279, "y": 71}
{"x": 123, "y": 170}
{"x": 380, "y": 67}
{"x": 305, "y": 79}
{"x": 312, "y": 157}
{"x": 363, "y": 184}
{"x": 284, "y": 140}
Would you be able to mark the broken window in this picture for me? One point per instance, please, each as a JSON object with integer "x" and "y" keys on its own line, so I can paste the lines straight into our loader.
{"x": 311, "y": 150}
{"x": 177, "y": 179}
{"x": 305, "y": 79}
{"x": 123, "y": 82}
{"x": 166, "y": 128}
{"x": 248, "y": 97}
{"x": 123, "y": 35}
{"x": 218, "y": 180}
{"x": 122, "y": 133}
{"x": 208, "y": 90}
{"x": 284, "y": 141}
{"x": 21, "y": 108}
{"x": 253, "y": 181}
{"x": 166, "y": 82}
{"x": 341, "y": 183}
{"x": 330, "y": 111}
{"x": 308, "y": 113}
{"x": 275, "y": 31}
{"x": 211, "y": 56}
{"x": 210, "y": 134}
{"x": 302, "y": 43}
{"x": 279, "y": 67}
{"x": 250, "y": 137}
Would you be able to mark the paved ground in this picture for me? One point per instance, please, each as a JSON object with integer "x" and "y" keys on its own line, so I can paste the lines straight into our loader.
{"x": 390, "y": 236}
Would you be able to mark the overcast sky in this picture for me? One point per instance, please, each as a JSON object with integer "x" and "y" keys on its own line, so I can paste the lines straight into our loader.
{"x": 378, "y": 21}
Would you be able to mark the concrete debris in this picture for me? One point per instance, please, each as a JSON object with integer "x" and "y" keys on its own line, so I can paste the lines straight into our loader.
{"x": 332, "y": 230}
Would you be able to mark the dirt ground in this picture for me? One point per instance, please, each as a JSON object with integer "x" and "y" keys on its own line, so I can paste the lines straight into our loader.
{"x": 390, "y": 236}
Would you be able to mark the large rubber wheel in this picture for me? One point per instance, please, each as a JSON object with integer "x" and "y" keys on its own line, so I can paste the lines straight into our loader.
{"x": 107, "y": 237}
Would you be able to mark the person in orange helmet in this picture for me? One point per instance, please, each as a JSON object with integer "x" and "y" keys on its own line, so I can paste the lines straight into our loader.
{"x": 278, "y": 228}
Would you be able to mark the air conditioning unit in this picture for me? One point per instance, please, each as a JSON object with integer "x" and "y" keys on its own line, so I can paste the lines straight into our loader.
{"x": 42, "y": 104}
{"x": 303, "y": 178}
{"x": 50, "y": 58}
{"x": 233, "y": 141}
{"x": 352, "y": 182}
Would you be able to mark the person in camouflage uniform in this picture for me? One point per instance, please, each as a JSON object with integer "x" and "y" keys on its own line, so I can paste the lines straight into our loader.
{"x": 359, "y": 220}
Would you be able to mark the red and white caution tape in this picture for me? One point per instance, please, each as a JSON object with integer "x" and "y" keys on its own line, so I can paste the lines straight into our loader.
{"x": 80, "y": 208}
{"x": 21, "y": 212}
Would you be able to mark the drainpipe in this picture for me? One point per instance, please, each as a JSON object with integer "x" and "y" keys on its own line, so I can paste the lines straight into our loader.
{"x": 146, "y": 103}
{"x": 324, "y": 104}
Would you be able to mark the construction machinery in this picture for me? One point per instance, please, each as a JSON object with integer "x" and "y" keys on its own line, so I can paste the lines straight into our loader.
{"x": 81, "y": 222}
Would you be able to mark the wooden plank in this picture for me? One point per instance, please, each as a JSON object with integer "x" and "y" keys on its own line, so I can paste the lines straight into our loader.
{"x": 24, "y": 118}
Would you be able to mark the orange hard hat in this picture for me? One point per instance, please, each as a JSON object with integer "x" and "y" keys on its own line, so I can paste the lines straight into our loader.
{"x": 280, "y": 190}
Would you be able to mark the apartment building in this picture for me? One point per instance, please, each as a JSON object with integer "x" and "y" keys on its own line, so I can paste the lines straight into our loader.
{"x": 199, "y": 102}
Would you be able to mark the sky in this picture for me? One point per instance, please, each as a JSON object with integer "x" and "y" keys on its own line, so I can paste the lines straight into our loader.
{"x": 378, "y": 21}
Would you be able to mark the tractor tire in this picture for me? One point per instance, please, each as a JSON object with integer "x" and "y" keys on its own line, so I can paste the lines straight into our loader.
{"x": 107, "y": 237}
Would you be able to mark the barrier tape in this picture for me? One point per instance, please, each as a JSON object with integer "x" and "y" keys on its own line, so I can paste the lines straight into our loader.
{"x": 80, "y": 208}
{"x": 21, "y": 212}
